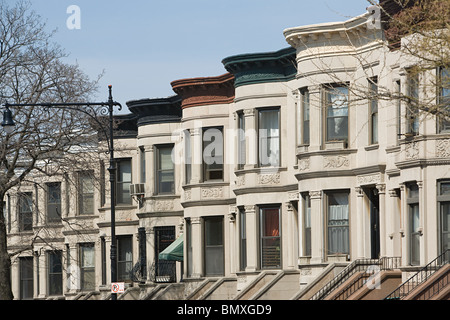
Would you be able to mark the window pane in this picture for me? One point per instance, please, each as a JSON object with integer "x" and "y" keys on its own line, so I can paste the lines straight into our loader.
{"x": 445, "y": 226}
{"x": 123, "y": 181}
{"x": 26, "y": 211}
{"x": 213, "y": 154}
{"x": 55, "y": 273}
{"x": 337, "y": 113}
{"x": 26, "y": 278}
{"x": 269, "y": 138}
{"x": 54, "y": 201}
{"x": 338, "y": 224}
{"x": 86, "y": 194}
{"x": 214, "y": 250}
{"x": 124, "y": 258}
{"x": 165, "y": 167}
{"x": 270, "y": 238}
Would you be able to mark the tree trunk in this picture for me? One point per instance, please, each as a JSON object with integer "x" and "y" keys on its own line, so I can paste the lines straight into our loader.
{"x": 5, "y": 261}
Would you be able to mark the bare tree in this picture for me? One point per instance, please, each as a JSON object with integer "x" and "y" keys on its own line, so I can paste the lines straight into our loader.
{"x": 45, "y": 141}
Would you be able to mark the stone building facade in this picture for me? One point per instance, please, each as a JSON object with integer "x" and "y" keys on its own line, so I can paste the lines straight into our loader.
{"x": 284, "y": 162}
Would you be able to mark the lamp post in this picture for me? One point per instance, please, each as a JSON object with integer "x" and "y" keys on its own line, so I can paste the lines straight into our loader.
{"x": 105, "y": 108}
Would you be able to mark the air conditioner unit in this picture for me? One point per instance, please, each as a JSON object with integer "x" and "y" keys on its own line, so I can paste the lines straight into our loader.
{"x": 137, "y": 189}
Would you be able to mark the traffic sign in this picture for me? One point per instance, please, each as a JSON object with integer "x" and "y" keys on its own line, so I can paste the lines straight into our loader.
{"x": 117, "y": 287}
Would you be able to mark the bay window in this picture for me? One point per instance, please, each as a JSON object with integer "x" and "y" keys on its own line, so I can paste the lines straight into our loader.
{"x": 338, "y": 223}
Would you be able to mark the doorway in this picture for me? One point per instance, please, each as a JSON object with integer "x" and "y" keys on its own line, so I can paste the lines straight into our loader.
{"x": 374, "y": 209}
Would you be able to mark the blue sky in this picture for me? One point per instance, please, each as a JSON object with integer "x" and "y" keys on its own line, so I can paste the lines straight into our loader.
{"x": 143, "y": 45}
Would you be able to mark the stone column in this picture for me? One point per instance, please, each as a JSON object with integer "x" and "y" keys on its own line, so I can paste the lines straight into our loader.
{"x": 232, "y": 248}
{"x": 252, "y": 238}
{"x": 197, "y": 155}
{"x": 251, "y": 153}
{"x": 290, "y": 237}
{"x": 382, "y": 215}
{"x": 197, "y": 247}
{"x": 317, "y": 228}
{"x": 404, "y": 227}
{"x": 149, "y": 170}
{"x": 393, "y": 225}
{"x": 360, "y": 222}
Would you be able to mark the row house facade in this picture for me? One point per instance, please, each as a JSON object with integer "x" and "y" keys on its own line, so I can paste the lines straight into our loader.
{"x": 281, "y": 163}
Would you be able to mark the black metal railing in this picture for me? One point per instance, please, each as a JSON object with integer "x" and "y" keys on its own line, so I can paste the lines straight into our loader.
{"x": 420, "y": 277}
{"x": 359, "y": 265}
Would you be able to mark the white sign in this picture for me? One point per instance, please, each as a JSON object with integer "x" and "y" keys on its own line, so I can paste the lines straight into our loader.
{"x": 117, "y": 287}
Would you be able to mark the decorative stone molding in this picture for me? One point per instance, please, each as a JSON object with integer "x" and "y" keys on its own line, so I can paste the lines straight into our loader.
{"x": 315, "y": 194}
{"x": 163, "y": 205}
{"x": 443, "y": 148}
{"x": 369, "y": 179}
{"x": 304, "y": 164}
{"x": 249, "y": 208}
{"x": 187, "y": 195}
{"x": 271, "y": 178}
{"x": 381, "y": 187}
{"x": 412, "y": 150}
{"x": 335, "y": 162}
{"x": 240, "y": 181}
{"x": 212, "y": 192}
{"x": 248, "y": 112}
{"x": 293, "y": 196}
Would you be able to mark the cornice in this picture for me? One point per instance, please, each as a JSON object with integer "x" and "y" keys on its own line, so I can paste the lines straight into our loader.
{"x": 262, "y": 67}
{"x": 297, "y": 36}
{"x": 156, "y": 110}
{"x": 205, "y": 90}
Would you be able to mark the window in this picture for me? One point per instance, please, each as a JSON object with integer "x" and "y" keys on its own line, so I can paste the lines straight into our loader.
{"x": 123, "y": 181}
{"x": 124, "y": 258}
{"x": 399, "y": 109}
{"x": 54, "y": 269}
{"x": 305, "y": 116}
{"x": 270, "y": 240}
{"x": 414, "y": 223}
{"x": 336, "y": 98}
{"x": 307, "y": 224}
{"x": 444, "y": 212}
{"x": 87, "y": 266}
{"x": 412, "y": 112}
{"x": 26, "y": 278}
{"x": 187, "y": 156}
{"x": 242, "y": 239}
{"x": 214, "y": 250}
{"x": 241, "y": 140}
{"x": 165, "y": 170}
{"x": 337, "y": 223}
{"x": 54, "y": 202}
{"x": 444, "y": 99}
{"x": 373, "y": 110}
{"x": 86, "y": 193}
{"x": 212, "y": 154}
{"x": 269, "y": 137}
{"x": 26, "y": 211}
{"x": 142, "y": 164}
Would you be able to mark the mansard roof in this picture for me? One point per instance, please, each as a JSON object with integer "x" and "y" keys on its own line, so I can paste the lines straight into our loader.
{"x": 156, "y": 110}
{"x": 262, "y": 67}
{"x": 205, "y": 90}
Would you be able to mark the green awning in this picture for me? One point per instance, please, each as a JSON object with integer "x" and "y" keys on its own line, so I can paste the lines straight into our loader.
{"x": 174, "y": 251}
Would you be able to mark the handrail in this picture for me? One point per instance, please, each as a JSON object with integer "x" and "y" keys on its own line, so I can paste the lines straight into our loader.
{"x": 384, "y": 263}
{"x": 421, "y": 276}
{"x": 342, "y": 276}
